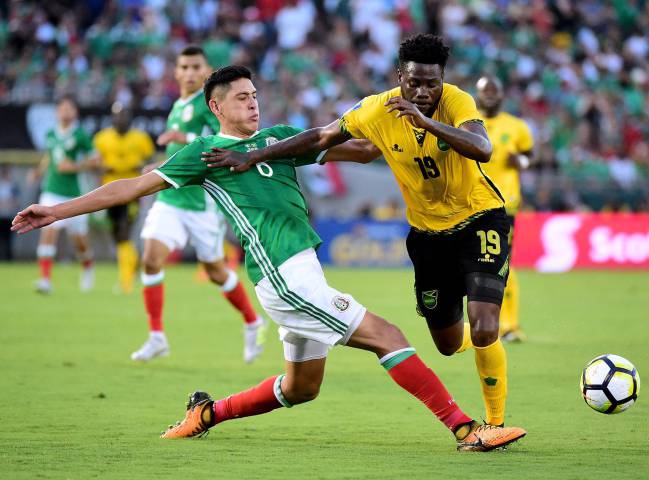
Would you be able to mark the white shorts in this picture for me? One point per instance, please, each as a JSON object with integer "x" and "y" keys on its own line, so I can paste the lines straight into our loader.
{"x": 174, "y": 226}
{"x": 312, "y": 316}
{"x": 73, "y": 225}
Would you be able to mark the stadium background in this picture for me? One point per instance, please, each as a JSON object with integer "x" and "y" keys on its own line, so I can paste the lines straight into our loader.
{"x": 577, "y": 72}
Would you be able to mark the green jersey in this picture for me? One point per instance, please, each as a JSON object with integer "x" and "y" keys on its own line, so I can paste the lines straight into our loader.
{"x": 74, "y": 144}
{"x": 190, "y": 115}
{"x": 264, "y": 205}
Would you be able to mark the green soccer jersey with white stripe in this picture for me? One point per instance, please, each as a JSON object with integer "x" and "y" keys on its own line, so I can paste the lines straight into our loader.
{"x": 190, "y": 115}
{"x": 73, "y": 144}
{"x": 264, "y": 205}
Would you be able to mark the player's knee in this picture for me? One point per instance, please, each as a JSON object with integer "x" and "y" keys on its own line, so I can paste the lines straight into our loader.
{"x": 302, "y": 393}
{"x": 447, "y": 350}
{"x": 484, "y": 330}
{"x": 151, "y": 263}
{"x": 217, "y": 272}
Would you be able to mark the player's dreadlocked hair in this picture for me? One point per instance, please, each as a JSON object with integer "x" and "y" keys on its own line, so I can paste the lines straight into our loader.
{"x": 424, "y": 48}
{"x": 223, "y": 77}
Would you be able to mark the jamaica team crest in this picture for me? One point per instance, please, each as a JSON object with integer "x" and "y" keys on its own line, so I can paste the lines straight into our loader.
{"x": 429, "y": 298}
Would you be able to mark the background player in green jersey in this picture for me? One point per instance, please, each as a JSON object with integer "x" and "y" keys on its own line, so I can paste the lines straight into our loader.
{"x": 68, "y": 153}
{"x": 269, "y": 215}
{"x": 189, "y": 214}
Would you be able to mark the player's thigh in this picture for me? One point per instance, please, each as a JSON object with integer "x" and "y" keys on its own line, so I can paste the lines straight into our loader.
{"x": 297, "y": 297}
{"x": 377, "y": 335}
{"x": 164, "y": 224}
{"x": 49, "y": 235}
{"x": 439, "y": 285}
{"x": 206, "y": 232}
{"x": 484, "y": 250}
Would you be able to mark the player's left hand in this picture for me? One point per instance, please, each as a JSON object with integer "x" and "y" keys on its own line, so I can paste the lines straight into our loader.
{"x": 407, "y": 109}
{"x": 218, "y": 157}
{"x": 34, "y": 216}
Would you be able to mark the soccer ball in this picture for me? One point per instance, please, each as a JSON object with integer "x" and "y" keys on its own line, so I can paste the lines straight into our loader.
{"x": 610, "y": 384}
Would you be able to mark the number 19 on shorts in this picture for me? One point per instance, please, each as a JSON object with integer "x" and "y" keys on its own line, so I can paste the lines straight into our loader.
{"x": 489, "y": 242}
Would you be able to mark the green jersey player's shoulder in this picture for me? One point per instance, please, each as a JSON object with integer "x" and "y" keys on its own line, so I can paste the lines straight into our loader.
{"x": 280, "y": 131}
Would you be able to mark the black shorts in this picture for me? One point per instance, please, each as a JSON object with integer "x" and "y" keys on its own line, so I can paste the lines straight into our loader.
{"x": 122, "y": 217}
{"x": 472, "y": 261}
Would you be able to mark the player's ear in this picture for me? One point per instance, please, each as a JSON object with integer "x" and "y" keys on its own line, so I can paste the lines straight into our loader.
{"x": 399, "y": 74}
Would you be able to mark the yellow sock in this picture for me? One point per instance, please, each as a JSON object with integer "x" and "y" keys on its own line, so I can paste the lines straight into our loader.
{"x": 509, "y": 309}
{"x": 492, "y": 369}
{"x": 466, "y": 340}
{"x": 127, "y": 265}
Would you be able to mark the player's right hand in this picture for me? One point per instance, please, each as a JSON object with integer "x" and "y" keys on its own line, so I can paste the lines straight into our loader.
{"x": 34, "y": 216}
{"x": 218, "y": 157}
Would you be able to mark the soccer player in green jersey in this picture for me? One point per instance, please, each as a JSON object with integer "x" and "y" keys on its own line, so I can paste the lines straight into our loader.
{"x": 69, "y": 150}
{"x": 268, "y": 213}
{"x": 189, "y": 214}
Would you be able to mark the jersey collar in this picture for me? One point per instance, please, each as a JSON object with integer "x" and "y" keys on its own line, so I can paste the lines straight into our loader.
{"x": 68, "y": 131}
{"x": 185, "y": 101}
{"x": 232, "y": 137}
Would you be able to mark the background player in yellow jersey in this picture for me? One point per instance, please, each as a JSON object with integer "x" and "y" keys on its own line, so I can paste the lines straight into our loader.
{"x": 123, "y": 151}
{"x": 512, "y": 151}
{"x": 433, "y": 139}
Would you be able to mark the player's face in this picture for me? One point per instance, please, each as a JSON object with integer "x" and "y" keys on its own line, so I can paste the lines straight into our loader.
{"x": 238, "y": 110}
{"x": 122, "y": 120}
{"x": 490, "y": 96}
{"x": 422, "y": 84}
{"x": 191, "y": 71}
{"x": 66, "y": 112}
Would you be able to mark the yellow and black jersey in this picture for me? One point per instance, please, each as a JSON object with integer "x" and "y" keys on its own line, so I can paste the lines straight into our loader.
{"x": 508, "y": 135}
{"x": 441, "y": 188}
{"x": 123, "y": 155}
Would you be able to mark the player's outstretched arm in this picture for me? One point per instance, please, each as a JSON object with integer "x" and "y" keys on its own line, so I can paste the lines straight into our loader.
{"x": 356, "y": 150}
{"x": 469, "y": 140}
{"x": 309, "y": 141}
{"x": 115, "y": 193}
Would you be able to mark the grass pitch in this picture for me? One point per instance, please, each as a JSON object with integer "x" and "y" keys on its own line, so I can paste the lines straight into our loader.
{"x": 73, "y": 405}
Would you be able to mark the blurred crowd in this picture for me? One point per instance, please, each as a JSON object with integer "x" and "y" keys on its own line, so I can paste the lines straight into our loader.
{"x": 577, "y": 71}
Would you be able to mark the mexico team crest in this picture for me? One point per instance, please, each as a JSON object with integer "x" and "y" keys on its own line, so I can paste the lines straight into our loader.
{"x": 340, "y": 303}
{"x": 429, "y": 299}
{"x": 188, "y": 113}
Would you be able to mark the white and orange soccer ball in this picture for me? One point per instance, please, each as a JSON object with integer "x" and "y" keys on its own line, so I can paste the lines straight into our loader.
{"x": 610, "y": 384}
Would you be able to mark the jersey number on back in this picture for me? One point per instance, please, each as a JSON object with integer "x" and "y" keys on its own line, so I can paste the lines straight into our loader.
{"x": 428, "y": 167}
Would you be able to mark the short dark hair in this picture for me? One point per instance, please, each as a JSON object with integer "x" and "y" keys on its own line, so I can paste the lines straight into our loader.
{"x": 67, "y": 98}
{"x": 424, "y": 48}
{"x": 191, "y": 50}
{"x": 224, "y": 76}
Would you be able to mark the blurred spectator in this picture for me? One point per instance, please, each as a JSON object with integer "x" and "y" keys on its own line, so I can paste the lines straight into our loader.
{"x": 8, "y": 208}
{"x": 577, "y": 72}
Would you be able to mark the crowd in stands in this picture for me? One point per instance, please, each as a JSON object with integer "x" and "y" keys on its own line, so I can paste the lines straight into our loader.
{"x": 577, "y": 71}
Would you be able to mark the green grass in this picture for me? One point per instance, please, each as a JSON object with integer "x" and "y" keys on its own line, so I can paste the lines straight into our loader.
{"x": 72, "y": 404}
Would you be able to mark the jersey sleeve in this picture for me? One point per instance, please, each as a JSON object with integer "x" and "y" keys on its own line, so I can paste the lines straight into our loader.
{"x": 461, "y": 108}
{"x": 356, "y": 122}
{"x": 283, "y": 132}
{"x": 524, "y": 139}
{"x": 184, "y": 167}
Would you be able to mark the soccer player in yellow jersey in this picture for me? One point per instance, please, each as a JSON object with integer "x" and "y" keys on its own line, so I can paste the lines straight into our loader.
{"x": 512, "y": 144}
{"x": 123, "y": 151}
{"x": 434, "y": 140}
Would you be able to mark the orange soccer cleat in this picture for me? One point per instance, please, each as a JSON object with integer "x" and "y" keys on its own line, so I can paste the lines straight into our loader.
{"x": 482, "y": 438}
{"x": 199, "y": 418}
